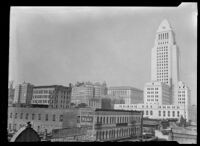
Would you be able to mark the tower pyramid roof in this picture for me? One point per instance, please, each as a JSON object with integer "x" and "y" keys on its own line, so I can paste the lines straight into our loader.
{"x": 164, "y": 26}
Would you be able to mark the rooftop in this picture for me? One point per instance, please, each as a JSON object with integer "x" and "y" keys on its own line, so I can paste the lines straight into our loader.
{"x": 124, "y": 88}
{"x": 51, "y": 86}
{"x": 116, "y": 110}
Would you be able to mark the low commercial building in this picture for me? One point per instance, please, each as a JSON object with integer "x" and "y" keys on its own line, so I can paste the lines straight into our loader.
{"x": 154, "y": 111}
{"x": 70, "y": 134}
{"x": 113, "y": 125}
{"x": 83, "y": 92}
{"x": 23, "y": 94}
{"x": 42, "y": 119}
{"x": 104, "y": 102}
{"x": 129, "y": 94}
{"x": 101, "y": 124}
{"x": 54, "y": 96}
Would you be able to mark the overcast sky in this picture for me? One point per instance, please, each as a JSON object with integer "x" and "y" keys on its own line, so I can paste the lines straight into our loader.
{"x": 62, "y": 45}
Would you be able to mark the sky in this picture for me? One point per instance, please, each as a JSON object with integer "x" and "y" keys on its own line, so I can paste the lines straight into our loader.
{"x": 62, "y": 45}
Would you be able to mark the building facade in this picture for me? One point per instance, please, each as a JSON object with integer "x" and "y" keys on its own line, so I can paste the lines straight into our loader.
{"x": 193, "y": 114}
{"x": 183, "y": 95}
{"x": 154, "y": 111}
{"x": 165, "y": 56}
{"x": 113, "y": 125}
{"x": 157, "y": 93}
{"x": 106, "y": 124}
{"x": 54, "y": 96}
{"x": 165, "y": 87}
{"x": 82, "y": 92}
{"x": 11, "y": 93}
{"x": 103, "y": 125}
{"x": 23, "y": 93}
{"x": 129, "y": 94}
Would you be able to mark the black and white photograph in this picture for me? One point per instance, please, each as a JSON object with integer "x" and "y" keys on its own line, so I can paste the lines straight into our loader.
{"x": 102, "y": 74}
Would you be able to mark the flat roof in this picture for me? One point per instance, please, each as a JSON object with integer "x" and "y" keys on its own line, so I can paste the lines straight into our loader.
{"x": 124, "y": 87}
{"x": 50, "y": 86}
{"x": 118, "y": 110}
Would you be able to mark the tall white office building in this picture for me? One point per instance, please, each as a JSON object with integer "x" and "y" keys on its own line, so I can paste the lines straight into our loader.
{"x": 166, "y": 93}
{"x": 165, "y": 58}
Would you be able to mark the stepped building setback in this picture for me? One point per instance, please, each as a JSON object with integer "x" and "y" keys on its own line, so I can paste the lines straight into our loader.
{"x": 165, "y": 96}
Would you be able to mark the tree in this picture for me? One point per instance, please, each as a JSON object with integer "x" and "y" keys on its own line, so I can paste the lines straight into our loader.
{"x": 82, "y": 105}
{"x": 182, "y": 122}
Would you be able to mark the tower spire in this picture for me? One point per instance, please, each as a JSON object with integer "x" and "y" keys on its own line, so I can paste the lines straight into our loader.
{"x": 164, "y": 26}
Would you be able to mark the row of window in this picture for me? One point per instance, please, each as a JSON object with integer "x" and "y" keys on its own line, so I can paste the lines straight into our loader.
{"x": 28, "y": 116}
{"x": 181, "y": 102}
{"x": 43, "y": 91}
{"x": 164, "y": 78}
{"x": 42, "y": 96}
{"x": 152, "y": 88}
{"x": 152, "y": 100}
{"x": 181, "y": 98}
{"x": 40, "y": 101}
{"x": 161, "y": 59}
{"x": 161, "y": 48}
{"x": 168, "y": 107}
{"x": 120, "y": 92}
{"x": 162, "y": 56}
{"x": 149, "y": 112}
{"x": 180, "y": 91}
{"x": 156, "y": 92}
{"x": 163, "y": 71}
{"x": 169, "y": 113}
{"x": 163, "y": 36}
{"x": 114, "y": 120}
{"x": 183, "y": 95}
{"x": 162, "y": 52}
{"x": 112, "y": 134}
{"x": 148, "y": 106}
{"x": 159, "y": 43}
{"x": 152, "y": 96}
{"x": 162, "y": 63}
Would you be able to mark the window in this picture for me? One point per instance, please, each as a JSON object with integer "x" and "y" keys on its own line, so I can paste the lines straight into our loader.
{"x": 173, "y": 113}
{"x": 61, "y": 118}
{"x": 46, "y": 118}
{"x": 21, "y": 116}
{"x": 151, "y": 112}
{"x": 163, "y": 113}
{"x": 146, "y": 112}
{"x": 54, "y": 117}
{"x": 159, "y": 113}
{"x": 168, "y": 113}
{"x": 178, "y": 113}
{"x": 10, "y": 115}
{"x": 26, "y": 116}
{"x": 39, "y": 116}
{"x": 15, "y": 115}
{"x": 33, "y": 116}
